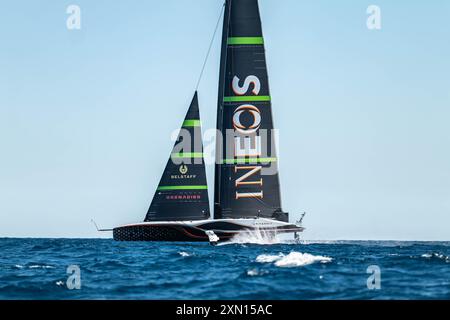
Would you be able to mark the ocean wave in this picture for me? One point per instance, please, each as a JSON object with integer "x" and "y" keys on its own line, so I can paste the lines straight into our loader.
{"x": 293, "y": 259}
{"x": 34, "y": 266}
{"x": 308, "y": 242}
{"x": 436, "y": 255}
{"x": 128, "y": 270}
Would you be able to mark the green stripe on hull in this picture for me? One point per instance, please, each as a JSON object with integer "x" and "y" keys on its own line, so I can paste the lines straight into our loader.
{"x": 246, "y": 98}
{"x": 170, "y": 188}
{"x": 249, "y": 160}
{"x": 245, "y": 41}
{"x": 191, "y": 123}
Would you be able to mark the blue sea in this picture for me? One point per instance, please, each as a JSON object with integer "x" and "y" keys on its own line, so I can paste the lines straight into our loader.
{"x": 104, "y": 269}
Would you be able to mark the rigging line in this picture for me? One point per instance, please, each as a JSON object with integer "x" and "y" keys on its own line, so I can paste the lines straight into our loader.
{"x": 210, "y": 46}
{"x": 263, "y": 202}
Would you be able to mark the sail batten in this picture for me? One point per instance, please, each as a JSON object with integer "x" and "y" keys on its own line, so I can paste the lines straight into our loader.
{"x": 182, "y": 193}
{"x": 246, "y": 98}
{"x": 245, "y": 41}
{"x": 246, "y": 174}
{"x": 191, "y": 123}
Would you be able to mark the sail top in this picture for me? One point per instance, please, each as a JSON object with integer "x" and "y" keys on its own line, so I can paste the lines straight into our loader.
{"x": 193, "y": 112}
{"x": 182, "y": 193}
{"x": 244, "y": 21}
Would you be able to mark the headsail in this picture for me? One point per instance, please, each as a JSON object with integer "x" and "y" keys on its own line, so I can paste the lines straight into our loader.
{"x": 182, "y": 193}
{"x": 246, "y": 179}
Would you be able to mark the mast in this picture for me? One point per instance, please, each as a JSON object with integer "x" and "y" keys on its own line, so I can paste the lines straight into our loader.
{"x": 223, "y": 60}
{"x": 246, "y": 173}
{"x": 182, "y": 193}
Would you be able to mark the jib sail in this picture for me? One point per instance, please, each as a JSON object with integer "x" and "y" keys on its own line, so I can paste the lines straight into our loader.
{"x": 182, "y": 193}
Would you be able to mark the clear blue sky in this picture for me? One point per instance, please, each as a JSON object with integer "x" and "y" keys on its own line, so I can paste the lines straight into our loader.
{"x": 86, "y": 116}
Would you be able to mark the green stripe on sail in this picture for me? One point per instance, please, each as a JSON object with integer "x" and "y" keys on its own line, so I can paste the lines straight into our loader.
{"x": 186, "y": 155}
{"x": 169, "y": 188}
{"x": 249, "y": 160}
{"x": 192, "y": 123}
{"x": 246, "y": 98}
{"x": 245, "y": 40}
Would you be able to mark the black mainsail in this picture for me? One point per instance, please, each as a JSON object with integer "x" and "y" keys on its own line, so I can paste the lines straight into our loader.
{"x": 246, "y": 175}
{"x": 182, "y": 193}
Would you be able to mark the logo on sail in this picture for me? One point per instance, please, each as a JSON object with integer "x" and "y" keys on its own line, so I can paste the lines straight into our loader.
{"x": 185, "y": 197}
{"x": 249, "y": 144}
{"x": 183, "y": 169}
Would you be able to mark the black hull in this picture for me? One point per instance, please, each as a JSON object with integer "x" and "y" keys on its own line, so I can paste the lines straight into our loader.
{"x": 193, "y": 233}
{"x": 169, "y": 233}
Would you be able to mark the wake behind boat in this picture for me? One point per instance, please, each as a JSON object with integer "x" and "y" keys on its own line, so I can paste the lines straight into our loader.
{"x": 246, "y": 190}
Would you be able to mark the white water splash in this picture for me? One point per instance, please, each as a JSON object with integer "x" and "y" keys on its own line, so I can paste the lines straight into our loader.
{"x": 437, "y": 256}
{"x": 59, "y": 283}
{"x": 255, "y": 272}
{"x": 266, "y": 258}
{"x": 255, "y": 237}
{"x": 252, "y": 272}
{"x": 293, "y": 259}
{"x": 184, "y": 254}
{"x": 37, "y": 266}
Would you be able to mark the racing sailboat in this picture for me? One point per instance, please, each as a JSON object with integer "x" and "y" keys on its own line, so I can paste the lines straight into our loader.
{"x": 246, "y": 188}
